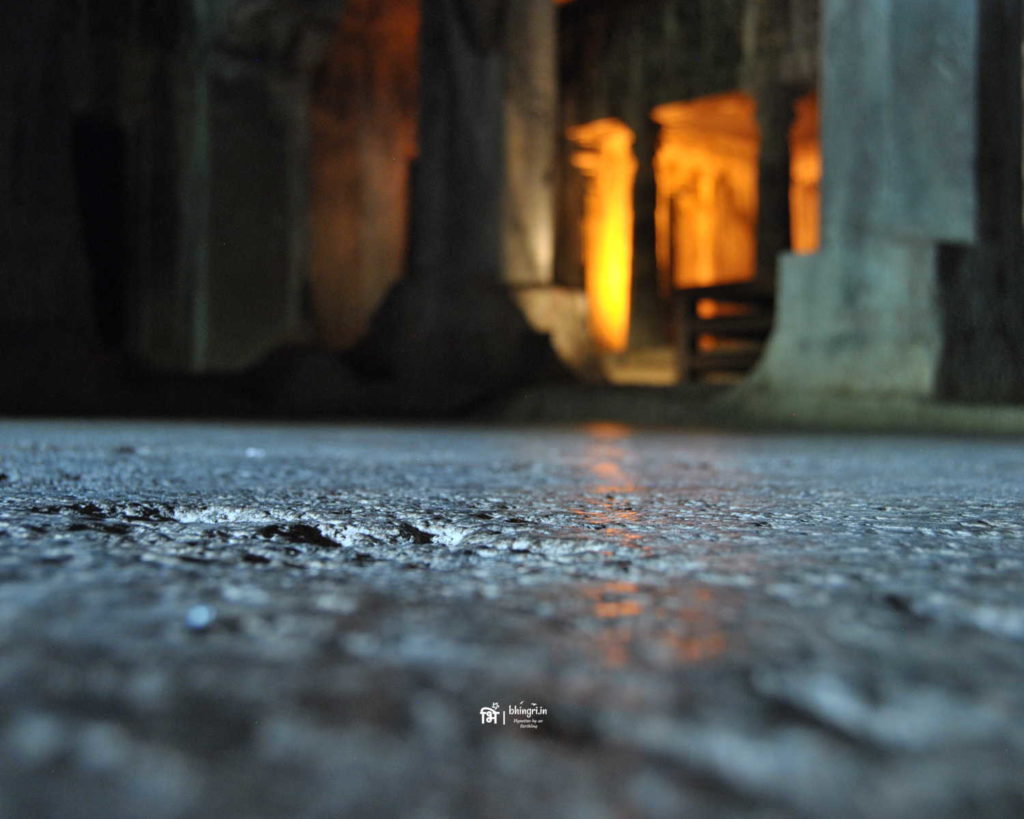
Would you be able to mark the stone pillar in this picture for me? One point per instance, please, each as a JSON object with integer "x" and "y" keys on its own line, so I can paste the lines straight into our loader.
{"x": 532, "y": 138}
{"x": 450, "y": 327}
{"x": 774, "y": 117}
{"x": 250, "y": 302}
{"x": 910, "y": 171}
{"x": 243, "y": 196}
{"x": 459, "y": 179}
{"x": 767, "y": 42}
{"x": 649, "y": 308}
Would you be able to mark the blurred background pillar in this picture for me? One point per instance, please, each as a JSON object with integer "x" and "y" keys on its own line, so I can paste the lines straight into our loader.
{"x": 916, "y": 290}
{"x": 451, "y": 325}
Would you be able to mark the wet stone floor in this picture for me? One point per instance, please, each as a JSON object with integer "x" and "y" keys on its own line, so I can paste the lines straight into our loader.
{"x": 307, "y": 621}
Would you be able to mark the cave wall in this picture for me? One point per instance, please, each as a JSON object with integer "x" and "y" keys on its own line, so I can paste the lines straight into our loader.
{"x": 42, "y": 258}
{"x": 190, "y": 140}
{"x": 159, "y": 185}
{"x": 270, "y": 148}
{"x": 51, "y": 350}
{"x": 243, "y": 83}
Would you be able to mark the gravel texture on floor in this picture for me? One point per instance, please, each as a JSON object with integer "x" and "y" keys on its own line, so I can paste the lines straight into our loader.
{"x": 214, "y": 620}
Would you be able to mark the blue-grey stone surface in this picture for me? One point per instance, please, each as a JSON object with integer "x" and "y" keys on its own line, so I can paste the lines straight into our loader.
{"x": 305, "y": 621}
{"x": 901, "y": 179}
{"x": 899, "y": 117}
{"x": 859, "y": 316}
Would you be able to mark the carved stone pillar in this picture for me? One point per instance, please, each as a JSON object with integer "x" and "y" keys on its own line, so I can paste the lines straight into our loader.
{"x": 450, "y": 326}
{"x": 916, "y": 290}
{"x": 775, "y": 118}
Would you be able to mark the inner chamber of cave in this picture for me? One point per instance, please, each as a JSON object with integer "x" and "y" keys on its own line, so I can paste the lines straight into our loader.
{"x": 364, "y": 107}
{"x": 706, "y": 211}
{"x": 707, "y": 199}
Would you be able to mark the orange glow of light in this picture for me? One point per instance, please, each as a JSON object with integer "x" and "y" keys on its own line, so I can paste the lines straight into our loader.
{"x": 713, "y": 308}
{"x": 706, "y": 173}
{"x": 615, "y": 587}
{"x": 616, "y": 609}
{"x": 611, "y": 477}
{"x": 614, "y": 520}
{"x": 604, "y": 155}
{"x": 617, "y": 602}
{"x": 672, "y": 631}
{"x": 805, "y": 177}
{"x": 695, "y": 649}
{"x": 608, "y": 430}
{"x": 604, "y": 507}
{"x": 609, "y": 471}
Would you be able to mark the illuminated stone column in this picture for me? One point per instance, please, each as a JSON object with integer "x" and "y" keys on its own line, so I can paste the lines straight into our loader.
{"x": 606, "y": 160}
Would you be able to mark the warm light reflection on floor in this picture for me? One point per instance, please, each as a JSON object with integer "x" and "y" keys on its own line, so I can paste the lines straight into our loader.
{"x": 610, "y": 479}
{"x": 637, "y": 623}
{"x": 637, "y": 626}
{"x": 608, "y": 430}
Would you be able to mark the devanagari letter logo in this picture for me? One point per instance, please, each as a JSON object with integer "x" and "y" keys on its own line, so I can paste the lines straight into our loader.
{"x": 489, "y": 714}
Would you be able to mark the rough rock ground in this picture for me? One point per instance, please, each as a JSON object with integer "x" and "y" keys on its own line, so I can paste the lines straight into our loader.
{"x": 305, "y": 621}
